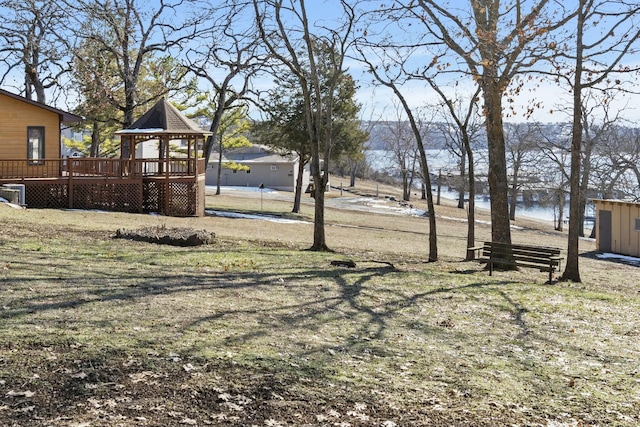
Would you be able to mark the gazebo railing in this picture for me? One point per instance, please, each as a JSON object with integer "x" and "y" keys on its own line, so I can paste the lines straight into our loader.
{"x": 99, "y": 167}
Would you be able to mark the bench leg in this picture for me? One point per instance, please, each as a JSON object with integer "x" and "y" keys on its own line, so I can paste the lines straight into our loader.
{"x": 490, "y": 268}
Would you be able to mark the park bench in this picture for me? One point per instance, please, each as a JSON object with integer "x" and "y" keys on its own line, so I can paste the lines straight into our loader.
{"x": 538, "y": 257}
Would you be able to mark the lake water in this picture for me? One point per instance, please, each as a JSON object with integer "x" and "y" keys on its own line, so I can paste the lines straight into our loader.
{"x": 442, "y": 160}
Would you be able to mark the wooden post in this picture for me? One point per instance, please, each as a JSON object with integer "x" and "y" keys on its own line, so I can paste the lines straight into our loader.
{"x": 190, "y": 166}
{"x": 167, "y": 197}
{"x": 439, "y": 187}
{"x": 70, "y": 182}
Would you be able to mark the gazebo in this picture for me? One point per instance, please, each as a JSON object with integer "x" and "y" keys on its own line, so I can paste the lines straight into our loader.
{"x": 174, "y": 182}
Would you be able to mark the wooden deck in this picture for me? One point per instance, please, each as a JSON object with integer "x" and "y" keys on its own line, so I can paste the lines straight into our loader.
{"x": 174, "y": 187}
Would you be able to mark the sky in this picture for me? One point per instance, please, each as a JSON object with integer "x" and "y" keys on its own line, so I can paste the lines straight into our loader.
{"x": 378, "y": 102}
{"x": 553, "y": 101}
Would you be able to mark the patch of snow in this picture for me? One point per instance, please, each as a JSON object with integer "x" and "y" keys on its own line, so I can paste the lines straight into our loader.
{"x": 624, "y": 258}
{"x": 513, "y": 227}
{"x": 270, "y": 218}
{"x": 136, "y": 130}
{"x": 11, "y": 205}
{"x": 382, "y": 206}
{"x": 88, "y": 210}
{"x": 239, "y": 188}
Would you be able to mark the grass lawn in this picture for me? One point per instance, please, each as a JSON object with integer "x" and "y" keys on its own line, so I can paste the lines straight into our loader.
{"x": 255, "y": 330}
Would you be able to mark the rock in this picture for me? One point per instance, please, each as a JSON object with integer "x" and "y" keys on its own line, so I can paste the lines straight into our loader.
{"x": 343, "y": 263}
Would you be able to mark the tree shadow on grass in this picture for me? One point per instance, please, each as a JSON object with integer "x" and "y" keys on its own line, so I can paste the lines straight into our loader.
{"x": 287, "y": 329}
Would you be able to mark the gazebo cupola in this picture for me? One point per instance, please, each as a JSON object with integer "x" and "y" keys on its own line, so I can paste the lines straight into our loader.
{"x": 164, "y": 123}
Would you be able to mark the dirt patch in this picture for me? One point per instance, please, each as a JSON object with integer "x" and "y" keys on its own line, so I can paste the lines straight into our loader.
{"x": 168, "y": 236}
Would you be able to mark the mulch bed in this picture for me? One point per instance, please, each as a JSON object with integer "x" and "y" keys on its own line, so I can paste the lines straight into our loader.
{"x": 168, "y": 236}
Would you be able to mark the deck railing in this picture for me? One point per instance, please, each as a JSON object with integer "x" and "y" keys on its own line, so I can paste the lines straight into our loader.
{"x": 99, "y": 167}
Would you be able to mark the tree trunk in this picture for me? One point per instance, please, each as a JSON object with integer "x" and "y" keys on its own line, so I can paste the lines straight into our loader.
{"x": 560, "y": 226}
{"x": 130, "y": 102}
{"x": 219, "y": 171}
{"x": 498, "y": 182}
{"x": 513, "y": 196}
{"x": 471, "y": 215}
{"x": 461, "y": 190}
{"x": 572, "y": 271}
{"x": 439, "y": 188}
{"x": 297, "y": 198}
{"x": 433, "y": 236}
{"x": 215, "y": 123}
{"x": 584, "y": 183}
{"x": 352, "y": 174}
{"x": 320, "y": 186}
{"x": 405, "y": 185}
{"x": 95, "y": 140}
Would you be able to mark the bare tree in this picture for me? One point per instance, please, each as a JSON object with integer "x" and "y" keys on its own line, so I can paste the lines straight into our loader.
{"x": 455, "y": 147}
{"x": 358, "y": 164}
{"x": 399, "y": 141}
{"x": 606, "y": 32}
{"x": 227, "y": 58}
{"x": 131, "y": 31}
{"x": 554, "y": 145}
{"x": 392, "y": 78}
{"x": 616, "y": 171}
{"x": 460, "y": 127}
{"x": 466, "y": 128}
{"x": 492, "y": 42}
{"x": 599, "y": 125}
{"x": 293, "y": 39}
{"x": 522, "y": 157}
{"x": 31, "y": 46}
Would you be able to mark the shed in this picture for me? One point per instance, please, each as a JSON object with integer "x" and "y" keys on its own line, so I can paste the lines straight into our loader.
{"x": 265, "y": 166}
{"x": 618, "y": 227}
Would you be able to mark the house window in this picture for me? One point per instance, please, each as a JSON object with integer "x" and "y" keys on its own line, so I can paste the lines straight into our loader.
{"x": 35, "y": 144}
{"x": 274, "y": 167}
{"x": 637, "y": 224}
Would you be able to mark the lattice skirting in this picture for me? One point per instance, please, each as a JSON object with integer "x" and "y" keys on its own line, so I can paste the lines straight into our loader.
{"x": 46, "y": 195}
{"x": 119, "y": 197}
{"x": 175, "y": 198}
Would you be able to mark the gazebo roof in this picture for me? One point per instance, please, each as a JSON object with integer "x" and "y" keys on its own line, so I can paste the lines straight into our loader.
{"x": 163, "y": 119}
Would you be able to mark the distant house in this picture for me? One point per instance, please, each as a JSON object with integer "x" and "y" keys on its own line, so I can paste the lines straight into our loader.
{"x": 266, "y": 167}
{"x": 618, "y": 227}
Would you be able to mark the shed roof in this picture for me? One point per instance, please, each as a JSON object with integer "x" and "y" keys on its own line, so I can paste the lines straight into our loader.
{"x": 164, "y": 118}
{"x": 66, "y": 116}
{"x": 257, "y": 154}
{"x": 616, "y": 202}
